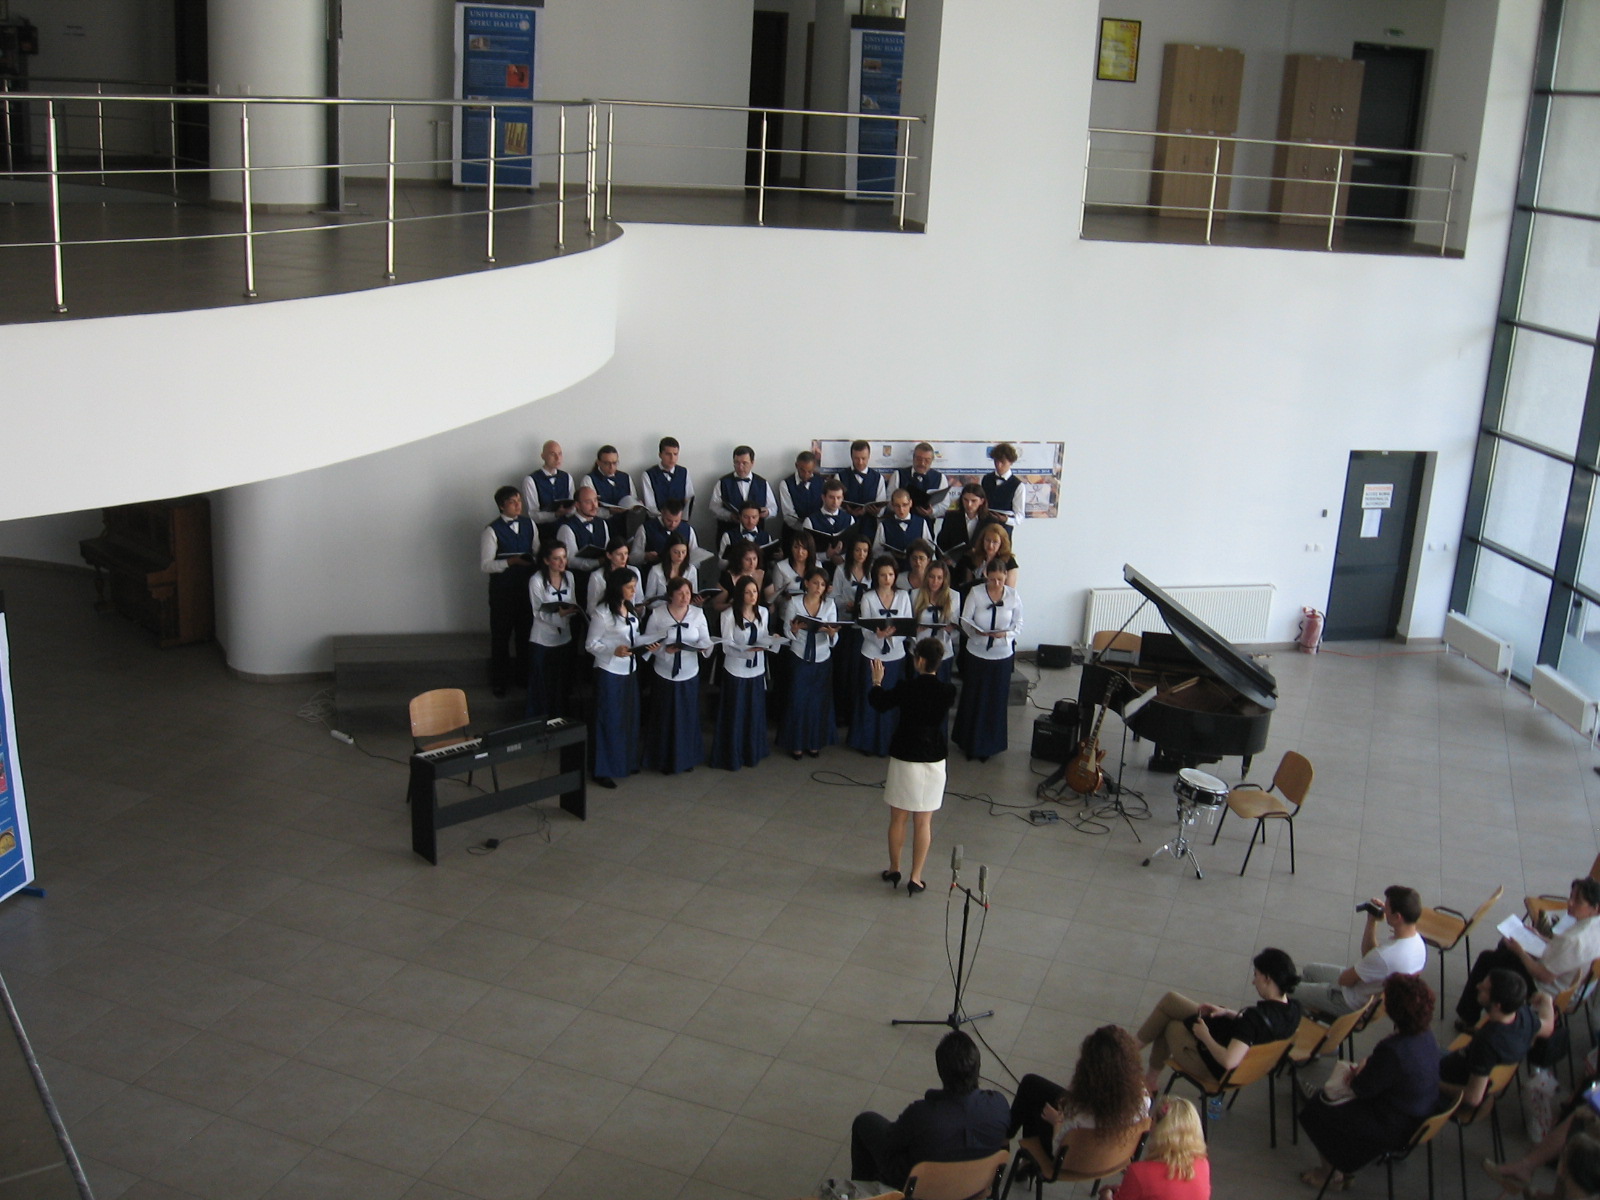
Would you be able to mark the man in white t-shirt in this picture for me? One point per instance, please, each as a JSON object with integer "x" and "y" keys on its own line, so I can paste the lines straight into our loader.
{"x": 1331, "y": 991}
{"x": 1566, "y": 957}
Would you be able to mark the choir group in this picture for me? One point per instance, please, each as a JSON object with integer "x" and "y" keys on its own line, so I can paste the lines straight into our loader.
{"x": 862, "y": 565}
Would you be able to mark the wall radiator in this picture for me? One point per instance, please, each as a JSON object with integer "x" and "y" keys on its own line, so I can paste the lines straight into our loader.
{"x": 1555, "y": 691}
{"x": 1237, "y": 612}
{"x": 1477, "y": 643}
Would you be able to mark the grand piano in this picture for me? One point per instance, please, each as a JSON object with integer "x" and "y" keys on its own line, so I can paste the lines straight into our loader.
{"x": 1211, "y": 701}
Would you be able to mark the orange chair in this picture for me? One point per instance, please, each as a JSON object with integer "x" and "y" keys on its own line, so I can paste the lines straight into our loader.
{"x": 1281, "y": 800}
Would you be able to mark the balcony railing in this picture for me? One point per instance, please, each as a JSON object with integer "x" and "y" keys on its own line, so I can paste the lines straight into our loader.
{"x": 578, "y": 155}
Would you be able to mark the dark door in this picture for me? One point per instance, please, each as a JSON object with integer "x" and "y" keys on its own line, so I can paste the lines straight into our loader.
{"x": 1390, "y": 117}
{"x": 192, "y": 78}
{"x": 769, "y": 54}
{"x": 1381, "y": 491}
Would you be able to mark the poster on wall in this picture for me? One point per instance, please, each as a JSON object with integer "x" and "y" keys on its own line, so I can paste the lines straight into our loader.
{"x": 961, "y": 463}
{"x": 16, "y": 851}
{"x": 496, "y": 47}
{"x": 877, "y": 65}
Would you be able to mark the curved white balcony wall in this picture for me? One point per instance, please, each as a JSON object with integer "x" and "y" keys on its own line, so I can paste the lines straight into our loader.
{"x": 273, "y": 49}
{"x": 128, "y": 408}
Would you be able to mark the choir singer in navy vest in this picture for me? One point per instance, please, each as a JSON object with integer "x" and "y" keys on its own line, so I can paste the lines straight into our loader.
{"x": 864, "y": 495}
{"x": 506, "y": 557}
{"x": 799, "y": 495}
{"x": 739, "y": 487}
{"x": 547, "y": 492}
{"x": 900, "y": 528}
{"x": 666, "y": 481}
{"x": 585, "y": 535}
{"x": 611, "y": 487}
{"x": 930, "y": 490}
{"x": 1006, "y": 494}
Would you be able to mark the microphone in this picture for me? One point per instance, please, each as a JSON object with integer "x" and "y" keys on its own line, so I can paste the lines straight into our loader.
{"x": 983, "y": 884}
{"x": 955, "y": 860}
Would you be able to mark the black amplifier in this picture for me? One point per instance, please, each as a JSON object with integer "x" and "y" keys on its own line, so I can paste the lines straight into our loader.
{"x": 1052, "y": 742}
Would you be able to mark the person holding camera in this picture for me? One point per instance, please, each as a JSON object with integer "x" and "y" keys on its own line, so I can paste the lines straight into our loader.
{"x": 1331, "y": 991}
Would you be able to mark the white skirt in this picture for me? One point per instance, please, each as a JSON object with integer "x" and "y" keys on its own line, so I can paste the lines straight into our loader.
{"x": 914, "y": 786}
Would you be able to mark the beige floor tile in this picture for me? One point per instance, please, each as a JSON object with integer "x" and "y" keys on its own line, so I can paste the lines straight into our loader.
{"x": 303, "y": 1102}
{"x": 501, "y": 1162}
{"x": 706, "y": 1072}
{"x": 399, "y": 1132}
{"x": 610, "y": 1046}
{"x": 559, "y": 1102}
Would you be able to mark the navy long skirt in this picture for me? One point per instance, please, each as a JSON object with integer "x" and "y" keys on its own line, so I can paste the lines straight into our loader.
{"x": 980, "y": 724}
{"x": 870, "y": 730}
{"x": 549, "y": 679}
{"x": 741, "y": 738}
{"x": 807, "y": 722}
{"x": 849, "y": 668}
{"x": 672, "y": 738}
{"x": 616, "y": 725}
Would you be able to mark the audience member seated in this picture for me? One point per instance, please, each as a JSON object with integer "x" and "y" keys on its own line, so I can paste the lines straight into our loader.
{"x": 1208, "y": 1041}
{"x": 1510, "y": 1027}
{"x": 955, "y": 1122}
{"x": 1396, "y": 1088}
{"x": 1174, "y": 1166}
{"x": 1567, "y": 955}
{"x": 1331, "y": 991}
{"x": 1573, "y": 1146}
{"x": 1107, "y": 1092}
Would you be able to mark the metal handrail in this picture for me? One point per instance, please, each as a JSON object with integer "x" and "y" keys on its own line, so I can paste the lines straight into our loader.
{"x": 1337, "y": 184}
{"x": 57, "y": 115}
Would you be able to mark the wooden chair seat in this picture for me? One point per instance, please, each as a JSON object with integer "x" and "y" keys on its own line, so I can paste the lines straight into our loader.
{"x": 1255, "y": 803}
{"x": 973, "y": 1179}
{"x": 1281, "y": 800}
{"x": 1445, "y": 928}
{"x": 1086, "y": 1155}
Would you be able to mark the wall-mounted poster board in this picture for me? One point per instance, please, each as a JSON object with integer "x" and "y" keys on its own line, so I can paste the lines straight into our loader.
{"x": 496, "y": 51}
{"x": 961, "y": 463}
{"x": 877, "y": 63}
{"x": 16, "y": 850}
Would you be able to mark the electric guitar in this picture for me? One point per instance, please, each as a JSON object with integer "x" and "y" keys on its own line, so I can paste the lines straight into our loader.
{"x": 1083, "y": 774}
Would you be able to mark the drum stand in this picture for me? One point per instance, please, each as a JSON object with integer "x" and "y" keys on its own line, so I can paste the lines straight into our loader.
{"x": 1179, "y": 846}
{"x": 1114, "y": 807}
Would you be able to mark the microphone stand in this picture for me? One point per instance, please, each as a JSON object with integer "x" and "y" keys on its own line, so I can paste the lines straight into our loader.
{"x": 956, "y": 1018}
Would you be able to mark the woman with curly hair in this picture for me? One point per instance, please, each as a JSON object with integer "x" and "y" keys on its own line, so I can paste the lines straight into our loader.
{"x": 1396, "y": 1088}
{"x": 1174, "y": 1166}
{"x": 1208, "y": 1041}
{"x": 1107, "y": 1092}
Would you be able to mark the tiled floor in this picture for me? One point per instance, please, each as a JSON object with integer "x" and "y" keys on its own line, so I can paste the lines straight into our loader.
{"x": 242, "y": 983}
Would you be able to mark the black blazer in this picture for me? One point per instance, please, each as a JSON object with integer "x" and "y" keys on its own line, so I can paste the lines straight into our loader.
{"x": 924, "y": 702}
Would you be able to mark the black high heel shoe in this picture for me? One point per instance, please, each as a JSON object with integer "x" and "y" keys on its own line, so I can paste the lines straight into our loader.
{"x": 914, "y": 888}
{"x": 892, "y": 878}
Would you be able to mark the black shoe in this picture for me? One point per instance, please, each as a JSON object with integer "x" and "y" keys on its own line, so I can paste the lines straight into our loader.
{"x": 892, "y": 878}
{"x": 601, "y": 781}
{"x": 914, "y": 888}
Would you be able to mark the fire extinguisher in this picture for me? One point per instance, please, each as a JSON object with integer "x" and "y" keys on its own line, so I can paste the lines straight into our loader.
{"x": 1310, "y": 630}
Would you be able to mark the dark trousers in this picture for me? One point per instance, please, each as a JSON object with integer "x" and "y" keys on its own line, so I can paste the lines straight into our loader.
{"x": 1033, "y": 1093}
{"x": 1498, "y": 959}
{"x": 870, "y": 1155}
{"x": 510, "y": 622}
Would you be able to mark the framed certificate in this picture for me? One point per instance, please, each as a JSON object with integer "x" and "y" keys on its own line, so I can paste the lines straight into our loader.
{"x": 1119, "y": 50}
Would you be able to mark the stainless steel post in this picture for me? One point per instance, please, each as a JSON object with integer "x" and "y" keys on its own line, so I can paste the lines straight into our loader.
{"x": 1333, "y": 208}
{"x": 5, "y": 127}
{"x": 52, "y": 164}
{"x": 561, "y": 177}
{"x": 589, "y": 163}
{"x": 172, "y": 143}
{"x": 100, "y": 132}
{"x": 611, "y": 135}
{"x": 388, "y": 254}
{"x": 1083, "y": 207}
{"x": 1449, "y": 206}
{"x": 905, "y": 177}
{"x": 488, "y": 253}
{"x": 1211, "y": 201}
{"x": 249, "y": 220}
{"x": 761, "y": 176}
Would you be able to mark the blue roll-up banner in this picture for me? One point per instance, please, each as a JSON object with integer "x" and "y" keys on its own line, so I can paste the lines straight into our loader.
{"x": 16, "y": 850}
{"x": 495, "y": 56}
{"x": 877, "y": 65}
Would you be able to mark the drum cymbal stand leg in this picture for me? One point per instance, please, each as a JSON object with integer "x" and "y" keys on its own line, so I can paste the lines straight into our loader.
{"x": 1179, "y": 847}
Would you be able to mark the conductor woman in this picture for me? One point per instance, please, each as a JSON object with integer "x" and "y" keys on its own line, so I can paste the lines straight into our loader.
{"x": 915, "y": 787}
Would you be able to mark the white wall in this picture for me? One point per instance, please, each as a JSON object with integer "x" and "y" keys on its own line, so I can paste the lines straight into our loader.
{"x": 52, "y": 539}
{"x": 1209, "y": 398}
{"x": 1266, "y": 31}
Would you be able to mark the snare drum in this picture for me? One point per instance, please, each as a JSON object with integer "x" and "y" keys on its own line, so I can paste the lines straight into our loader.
{"x": 1197, "y": 790}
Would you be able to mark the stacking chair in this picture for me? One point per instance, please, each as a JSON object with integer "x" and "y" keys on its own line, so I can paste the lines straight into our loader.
{"x": 1537, "y": 906}
{"x": 1567, "y": 1005}
{"x": 1281, "y": 800}
{"x": 1259, "y": 1062}
{"x": 1499, "y": 1079}
{"x": 1314, "y": 1040}
{"x": 1087, "y": 1154}
{"x": 1110, "y": 639}
{"x": 439, "y": 719}
{"x": 1446, "y": 928}
{"x": 974, "y": 1179}
{"x": 1422, "y": 1136}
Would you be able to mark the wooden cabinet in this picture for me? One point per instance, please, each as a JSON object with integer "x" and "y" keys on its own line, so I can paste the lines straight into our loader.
{"x": 1200, "y": 87}
{"x": 1321, "y": 100}
{"x": 155, "y": 561}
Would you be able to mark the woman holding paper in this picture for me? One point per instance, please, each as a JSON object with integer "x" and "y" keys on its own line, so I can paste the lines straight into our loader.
{"x": 870, "y": 728}
{"x": 741, "y": 737}
{"x": 551, "y": 654}
{"x": 811, "y": 620}
{"x": 673, "y": 741}
{"x": 615, "y": 642}
{"x": 991, "y": 619}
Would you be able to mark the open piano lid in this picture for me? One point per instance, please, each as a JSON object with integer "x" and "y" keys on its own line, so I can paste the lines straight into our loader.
{"x": 1206, "y": 644}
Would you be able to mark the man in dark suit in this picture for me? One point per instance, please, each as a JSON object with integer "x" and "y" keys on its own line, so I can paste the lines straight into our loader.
{"x": 949, "y": 1124}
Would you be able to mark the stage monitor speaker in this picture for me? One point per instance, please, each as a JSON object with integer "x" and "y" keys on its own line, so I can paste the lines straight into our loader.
{"x": 1052, "y": 742}
{"x": 1055, "y": 658}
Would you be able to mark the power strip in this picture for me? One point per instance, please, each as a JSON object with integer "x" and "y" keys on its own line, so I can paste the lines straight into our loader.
{"x": 1043, "y": 816}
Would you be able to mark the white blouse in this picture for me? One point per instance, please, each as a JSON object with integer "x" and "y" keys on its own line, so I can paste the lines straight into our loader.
{"x": 597, "y": 587}
{"x": 750, "y": 664}
{"x": 692, "y": 632}
{"x": 822, "y": 645}
{"x": 991, "y": 629}
{"x": 845, "y": 591}
{"x": 607, "y": 631}
{"x": 551, "y": 629}
{"x": 873, "y": 646}
{"x": 655, "y": 583}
